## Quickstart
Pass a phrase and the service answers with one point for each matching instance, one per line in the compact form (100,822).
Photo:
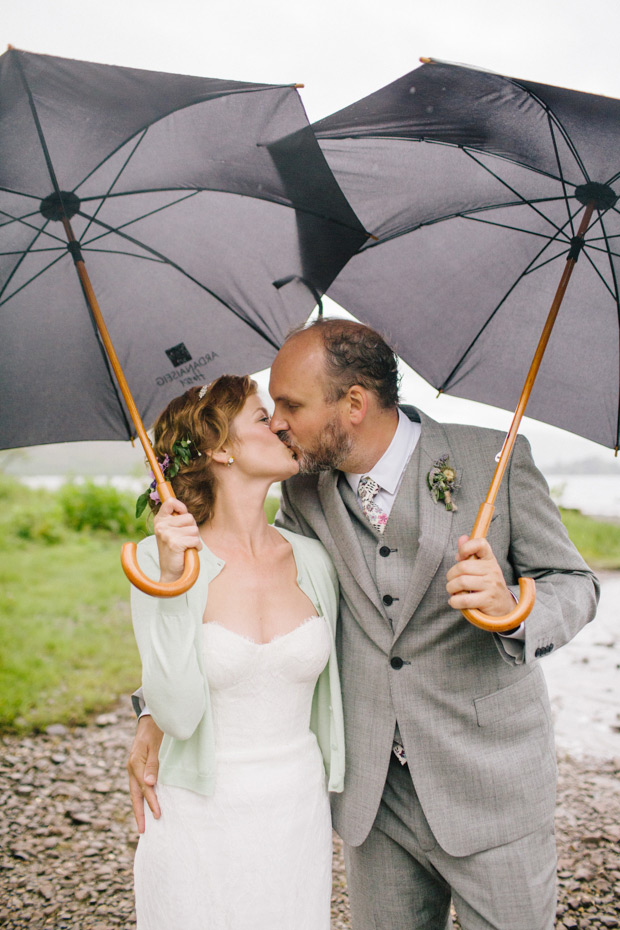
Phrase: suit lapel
(435,522)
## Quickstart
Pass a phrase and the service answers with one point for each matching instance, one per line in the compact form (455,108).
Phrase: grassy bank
(66,643)
(598,541)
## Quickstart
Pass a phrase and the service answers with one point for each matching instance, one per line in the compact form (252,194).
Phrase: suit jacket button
(388,599)
(551,647)
(396,662)
(384,551)
(538,652)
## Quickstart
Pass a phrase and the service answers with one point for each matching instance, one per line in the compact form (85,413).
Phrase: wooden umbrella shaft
(163,487)
(483,519)
(129,556)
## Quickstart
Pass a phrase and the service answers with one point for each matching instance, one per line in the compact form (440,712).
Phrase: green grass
(598,541)
(66,643)
(66,640)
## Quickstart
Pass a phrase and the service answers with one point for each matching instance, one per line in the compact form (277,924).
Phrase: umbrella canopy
(474,185)
(204,242)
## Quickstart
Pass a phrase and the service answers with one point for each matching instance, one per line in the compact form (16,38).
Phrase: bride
(240,673)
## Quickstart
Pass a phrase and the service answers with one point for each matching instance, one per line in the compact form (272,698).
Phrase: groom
(450,783)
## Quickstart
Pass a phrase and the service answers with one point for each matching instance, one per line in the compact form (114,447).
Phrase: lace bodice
(261,693)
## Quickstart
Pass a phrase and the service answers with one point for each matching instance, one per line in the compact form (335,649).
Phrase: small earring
(230,461)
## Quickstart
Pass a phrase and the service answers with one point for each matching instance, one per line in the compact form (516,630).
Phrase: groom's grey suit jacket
(475,723)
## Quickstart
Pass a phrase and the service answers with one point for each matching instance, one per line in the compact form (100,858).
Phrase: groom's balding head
(348,353)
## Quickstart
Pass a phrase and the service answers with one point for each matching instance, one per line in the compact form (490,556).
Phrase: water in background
(595,495)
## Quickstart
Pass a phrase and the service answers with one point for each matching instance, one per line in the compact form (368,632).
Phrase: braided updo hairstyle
(208,422)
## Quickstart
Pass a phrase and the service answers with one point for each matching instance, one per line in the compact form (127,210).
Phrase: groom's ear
(357,398)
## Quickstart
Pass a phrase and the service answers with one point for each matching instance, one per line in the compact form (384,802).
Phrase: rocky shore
(67,834)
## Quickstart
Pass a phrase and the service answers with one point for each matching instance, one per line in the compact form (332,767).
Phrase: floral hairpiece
(182,454)
(442,481)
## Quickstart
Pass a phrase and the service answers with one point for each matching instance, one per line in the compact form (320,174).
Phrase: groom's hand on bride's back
(143,766)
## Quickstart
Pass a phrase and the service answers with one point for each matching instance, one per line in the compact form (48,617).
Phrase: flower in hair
(183,451)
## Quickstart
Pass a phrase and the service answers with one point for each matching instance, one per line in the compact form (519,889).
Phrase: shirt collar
(390,467)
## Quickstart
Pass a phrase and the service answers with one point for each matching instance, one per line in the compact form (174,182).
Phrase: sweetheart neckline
(274,639)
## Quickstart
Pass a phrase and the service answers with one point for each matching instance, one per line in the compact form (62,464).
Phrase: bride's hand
(175,531)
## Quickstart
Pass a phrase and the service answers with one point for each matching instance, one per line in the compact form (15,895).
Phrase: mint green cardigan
(174,682)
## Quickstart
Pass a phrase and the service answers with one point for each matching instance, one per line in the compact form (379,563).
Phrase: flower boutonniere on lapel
(442,480)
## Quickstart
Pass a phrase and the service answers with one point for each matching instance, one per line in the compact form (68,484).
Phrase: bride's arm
(166,632)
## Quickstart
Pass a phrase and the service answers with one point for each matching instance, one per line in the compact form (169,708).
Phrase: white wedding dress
(256,855)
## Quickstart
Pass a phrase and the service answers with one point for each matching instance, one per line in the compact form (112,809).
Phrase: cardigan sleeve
(167,635)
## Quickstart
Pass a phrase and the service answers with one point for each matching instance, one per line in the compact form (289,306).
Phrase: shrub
(98,507)
(28,515)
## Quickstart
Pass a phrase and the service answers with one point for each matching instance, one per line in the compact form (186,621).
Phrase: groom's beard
(332,448)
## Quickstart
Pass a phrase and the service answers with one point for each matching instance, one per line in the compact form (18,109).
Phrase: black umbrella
(204,241)
(483,191)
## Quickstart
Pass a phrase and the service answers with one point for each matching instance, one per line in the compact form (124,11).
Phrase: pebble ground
(67,834)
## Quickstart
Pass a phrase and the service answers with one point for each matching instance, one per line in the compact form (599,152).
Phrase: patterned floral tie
(367,489)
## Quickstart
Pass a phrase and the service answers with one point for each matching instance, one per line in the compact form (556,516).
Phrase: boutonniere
(442,480)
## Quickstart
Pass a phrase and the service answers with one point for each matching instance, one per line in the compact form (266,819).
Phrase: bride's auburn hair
(208,422)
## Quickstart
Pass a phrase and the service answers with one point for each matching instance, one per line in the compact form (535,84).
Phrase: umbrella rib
(459,145)
(446,383)
(32,251)
(18,263)
(467,215)
(594,268)
(142,258)
(23,253)
(39,128)
(561,173)
(30,280)
(38,229)
(529,232)
(524,201)
(604,251)
(613,292)
(190,277)
(558,123)
(201,190)
(135,219)
(162,116)
(547,261)
(107,194)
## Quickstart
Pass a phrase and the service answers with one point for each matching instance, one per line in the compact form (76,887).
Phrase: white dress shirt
(389,470)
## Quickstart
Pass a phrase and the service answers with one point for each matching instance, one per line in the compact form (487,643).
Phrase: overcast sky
(341,50)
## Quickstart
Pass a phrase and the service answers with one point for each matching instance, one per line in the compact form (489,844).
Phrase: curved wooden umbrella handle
(527,586)
(527,598)
(129,559)
(137,577)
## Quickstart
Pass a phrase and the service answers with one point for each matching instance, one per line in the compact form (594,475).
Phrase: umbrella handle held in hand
(141,581)
(522,610)
(527,587)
